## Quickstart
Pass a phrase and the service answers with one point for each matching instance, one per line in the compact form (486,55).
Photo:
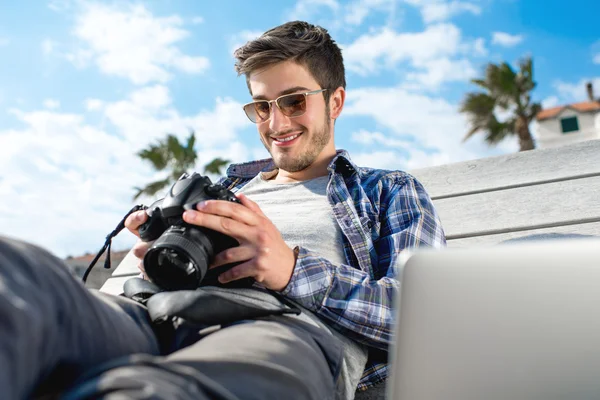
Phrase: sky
(85,85)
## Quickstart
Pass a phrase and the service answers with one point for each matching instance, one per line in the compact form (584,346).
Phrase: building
(99,274)
(569,123)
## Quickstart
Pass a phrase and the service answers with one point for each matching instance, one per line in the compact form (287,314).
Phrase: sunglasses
(290,105)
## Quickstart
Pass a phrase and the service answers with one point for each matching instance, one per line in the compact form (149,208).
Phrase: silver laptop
(518,321)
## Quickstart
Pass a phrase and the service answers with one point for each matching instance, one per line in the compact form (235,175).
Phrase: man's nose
(278,121)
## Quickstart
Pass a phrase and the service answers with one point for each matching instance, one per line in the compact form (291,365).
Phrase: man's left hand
(262,251)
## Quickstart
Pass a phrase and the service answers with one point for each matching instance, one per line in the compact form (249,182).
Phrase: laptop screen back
(518,321)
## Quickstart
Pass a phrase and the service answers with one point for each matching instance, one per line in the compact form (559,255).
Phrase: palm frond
(156,155)
(214,167)
(481,83)
(497,131)
(152,188)
(479,108)
(175,148)
(191,141)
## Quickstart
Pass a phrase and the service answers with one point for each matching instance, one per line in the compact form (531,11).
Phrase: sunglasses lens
(292,105)
(257,111)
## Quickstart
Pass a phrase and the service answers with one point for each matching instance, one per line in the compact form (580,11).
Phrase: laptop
(514,321)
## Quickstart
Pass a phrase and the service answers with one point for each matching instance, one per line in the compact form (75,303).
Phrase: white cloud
(132,43)
(197,20)
(334,14)
(305,9)
(442,70)
(387,47)
(479,48)
(51,104)
(505,39)
(576,92)
(74,181)
(549,102)
(440,10)
(4,41)
(356,12)
(148,113)
(93,104)
(374,138)
(48,46)
(443,11)
(597,59)
(435,126)
(72,199)
(431,52)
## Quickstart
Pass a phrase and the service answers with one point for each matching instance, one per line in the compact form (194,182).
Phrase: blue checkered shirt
(380,213)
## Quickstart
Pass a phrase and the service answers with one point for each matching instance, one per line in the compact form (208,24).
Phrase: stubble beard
(318,142)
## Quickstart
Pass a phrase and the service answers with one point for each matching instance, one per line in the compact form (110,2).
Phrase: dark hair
(306,44)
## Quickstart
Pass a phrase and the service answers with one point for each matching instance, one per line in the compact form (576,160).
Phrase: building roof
(585,106)
(99,274)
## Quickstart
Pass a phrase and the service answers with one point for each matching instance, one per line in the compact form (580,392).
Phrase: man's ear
(336,102)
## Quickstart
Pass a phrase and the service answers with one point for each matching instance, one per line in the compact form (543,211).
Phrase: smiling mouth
(285,140)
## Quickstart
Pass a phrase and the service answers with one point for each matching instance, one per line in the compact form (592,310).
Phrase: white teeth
(287,139)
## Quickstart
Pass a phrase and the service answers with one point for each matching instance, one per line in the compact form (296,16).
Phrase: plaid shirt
(380,213)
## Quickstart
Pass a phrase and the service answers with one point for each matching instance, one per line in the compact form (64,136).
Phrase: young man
(313,225)
(319,230)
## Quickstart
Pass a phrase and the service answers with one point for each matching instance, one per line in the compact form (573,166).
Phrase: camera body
(181,253)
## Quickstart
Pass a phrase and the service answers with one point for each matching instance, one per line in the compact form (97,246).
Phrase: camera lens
(179,259)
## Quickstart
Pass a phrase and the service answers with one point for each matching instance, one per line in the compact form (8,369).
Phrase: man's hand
(132,223)
(262,251)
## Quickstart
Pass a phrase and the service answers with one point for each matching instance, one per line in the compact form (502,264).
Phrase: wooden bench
(492,200)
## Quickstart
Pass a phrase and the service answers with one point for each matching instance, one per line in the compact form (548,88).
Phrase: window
(569,124)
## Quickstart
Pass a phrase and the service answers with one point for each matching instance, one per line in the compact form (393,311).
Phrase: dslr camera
(181,253)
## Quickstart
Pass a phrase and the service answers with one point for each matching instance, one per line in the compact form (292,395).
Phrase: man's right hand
(132,223)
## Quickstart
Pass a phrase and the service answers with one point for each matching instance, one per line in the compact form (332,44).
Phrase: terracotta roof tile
(585,106)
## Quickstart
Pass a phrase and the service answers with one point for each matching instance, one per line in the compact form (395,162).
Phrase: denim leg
(276,358)
(49,320)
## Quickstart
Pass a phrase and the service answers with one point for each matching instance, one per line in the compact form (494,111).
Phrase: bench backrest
(490,200)
(539,192)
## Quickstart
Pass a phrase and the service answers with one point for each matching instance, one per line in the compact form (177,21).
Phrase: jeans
(56,336)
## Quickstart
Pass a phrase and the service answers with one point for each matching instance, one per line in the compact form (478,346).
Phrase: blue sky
(84,85)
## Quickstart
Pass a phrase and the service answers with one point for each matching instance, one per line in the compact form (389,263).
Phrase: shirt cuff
(310,281)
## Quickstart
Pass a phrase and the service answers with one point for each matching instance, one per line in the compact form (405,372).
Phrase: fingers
(134,220)
(234,254)
(231,210)
(140,248)
(249,204)
(141,268)
(227,226)
(244,270)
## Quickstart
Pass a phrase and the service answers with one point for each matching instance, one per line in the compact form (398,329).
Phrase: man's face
(310,133)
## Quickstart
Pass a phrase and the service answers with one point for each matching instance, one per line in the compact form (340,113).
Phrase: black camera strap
(108,243)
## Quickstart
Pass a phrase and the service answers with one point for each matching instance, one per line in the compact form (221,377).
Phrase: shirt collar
(341,163)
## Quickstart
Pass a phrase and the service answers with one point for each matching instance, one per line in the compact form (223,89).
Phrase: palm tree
(508,91)
(170,154)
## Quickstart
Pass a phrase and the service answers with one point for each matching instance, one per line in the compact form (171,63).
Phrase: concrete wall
(549,132)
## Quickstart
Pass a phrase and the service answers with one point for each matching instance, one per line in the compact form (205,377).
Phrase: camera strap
(108,243)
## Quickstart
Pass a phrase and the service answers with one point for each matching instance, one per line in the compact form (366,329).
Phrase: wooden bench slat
(128,266)
(114,285)
(526,208)
(520,169)
(489,240)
